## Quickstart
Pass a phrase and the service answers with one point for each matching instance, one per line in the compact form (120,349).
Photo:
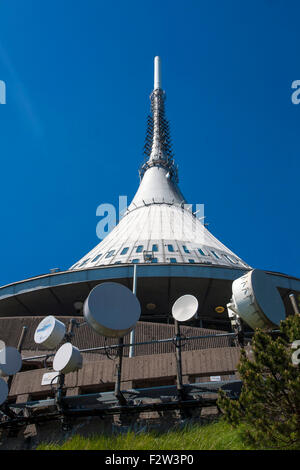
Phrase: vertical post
(21,339)
(61,377)
(118,373)
(132,333)
(294,304)
(59,392)
(178,359)
(70,331)
(236,325)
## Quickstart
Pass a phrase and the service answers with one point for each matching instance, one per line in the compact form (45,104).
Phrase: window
(148,255)
(154,248)
(84,262)
(139,249)
(170,248)
(135,260)
(215,254)
(229,259)
(191,261)
(124,251)
(154,260)
(95,259)
(117,262)
(185,249)
(110,254)
(173,260)
(201,252)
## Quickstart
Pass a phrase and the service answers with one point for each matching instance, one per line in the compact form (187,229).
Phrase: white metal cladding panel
(156,187)
(163,225)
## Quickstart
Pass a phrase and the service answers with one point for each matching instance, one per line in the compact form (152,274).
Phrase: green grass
(215,436)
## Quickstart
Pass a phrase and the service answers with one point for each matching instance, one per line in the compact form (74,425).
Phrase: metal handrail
(115,346)
(155,341)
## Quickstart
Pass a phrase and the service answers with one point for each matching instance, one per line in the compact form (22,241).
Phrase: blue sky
(78,77)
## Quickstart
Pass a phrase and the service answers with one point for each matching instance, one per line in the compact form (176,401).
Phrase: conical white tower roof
(159,226)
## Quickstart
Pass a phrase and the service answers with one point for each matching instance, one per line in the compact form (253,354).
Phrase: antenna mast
(157,72)
(158,146)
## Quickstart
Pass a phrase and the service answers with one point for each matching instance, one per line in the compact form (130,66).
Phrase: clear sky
(78,77)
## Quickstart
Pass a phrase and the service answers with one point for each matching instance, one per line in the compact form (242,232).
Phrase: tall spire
(158,147)
(157,72)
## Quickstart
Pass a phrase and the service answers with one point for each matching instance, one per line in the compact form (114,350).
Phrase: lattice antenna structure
(158,146)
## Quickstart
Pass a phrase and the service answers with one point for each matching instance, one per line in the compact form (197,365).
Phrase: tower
(159,225)
(175,254)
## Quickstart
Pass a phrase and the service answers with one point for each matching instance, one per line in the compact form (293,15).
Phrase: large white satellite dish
(112,309)
(257,300)
(12,363)
(67,359)
(185,308)
(50,332)
(3,391)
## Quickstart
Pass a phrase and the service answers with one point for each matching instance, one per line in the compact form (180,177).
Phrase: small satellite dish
(112,309)
(185,308)
(50,332)
(67,359)
(257,300)
(3,391)
(12,363)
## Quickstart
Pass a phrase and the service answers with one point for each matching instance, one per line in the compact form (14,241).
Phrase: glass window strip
(96,257)
(215,254)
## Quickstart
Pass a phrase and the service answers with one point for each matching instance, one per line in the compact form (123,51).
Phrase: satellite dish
(257,300)
(185,308)
(67,359)
(112,309)
(12,362)
(50,332)
(3,391)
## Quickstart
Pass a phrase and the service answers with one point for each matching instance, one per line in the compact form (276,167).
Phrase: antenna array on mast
(158,146)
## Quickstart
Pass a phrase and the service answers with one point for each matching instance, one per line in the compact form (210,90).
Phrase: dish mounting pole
(132,333)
